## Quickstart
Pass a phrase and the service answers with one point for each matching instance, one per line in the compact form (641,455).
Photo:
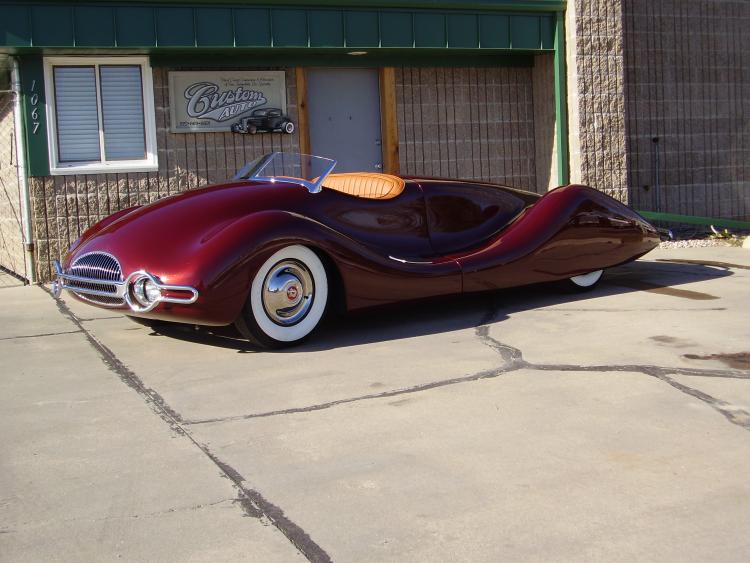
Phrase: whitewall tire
(586,281)
(287,298)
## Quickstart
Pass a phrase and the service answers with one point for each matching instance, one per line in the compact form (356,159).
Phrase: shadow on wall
(468,311)
(545,142)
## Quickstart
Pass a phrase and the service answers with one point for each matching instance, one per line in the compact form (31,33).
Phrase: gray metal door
(344,116)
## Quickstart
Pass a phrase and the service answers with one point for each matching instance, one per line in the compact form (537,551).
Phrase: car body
(264,120)
(207,255)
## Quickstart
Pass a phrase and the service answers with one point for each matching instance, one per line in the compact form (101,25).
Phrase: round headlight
(152,291)
(146,291)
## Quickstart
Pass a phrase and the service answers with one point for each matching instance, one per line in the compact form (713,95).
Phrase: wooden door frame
(388,117)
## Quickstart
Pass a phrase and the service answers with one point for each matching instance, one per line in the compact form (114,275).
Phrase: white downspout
(26,219)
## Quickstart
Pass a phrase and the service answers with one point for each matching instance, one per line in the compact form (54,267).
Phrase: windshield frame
(253,170)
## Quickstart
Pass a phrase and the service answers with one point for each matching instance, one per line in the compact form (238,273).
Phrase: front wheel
(287,298)
(289,127)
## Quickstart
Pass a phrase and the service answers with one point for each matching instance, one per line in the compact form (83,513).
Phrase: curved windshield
(303,169)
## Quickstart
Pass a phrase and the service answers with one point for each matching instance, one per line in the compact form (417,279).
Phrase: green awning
(483,26)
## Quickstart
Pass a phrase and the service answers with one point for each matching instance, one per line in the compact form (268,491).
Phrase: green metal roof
(358,24)
(491,5)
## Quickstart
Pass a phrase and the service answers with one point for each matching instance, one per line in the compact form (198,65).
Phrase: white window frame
(149,164)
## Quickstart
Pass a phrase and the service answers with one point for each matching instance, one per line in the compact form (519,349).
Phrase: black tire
(287,299)
(288,127)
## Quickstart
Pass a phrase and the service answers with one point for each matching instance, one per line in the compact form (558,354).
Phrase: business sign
(214,100)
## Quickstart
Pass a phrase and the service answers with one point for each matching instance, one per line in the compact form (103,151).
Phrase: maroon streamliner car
(271,249)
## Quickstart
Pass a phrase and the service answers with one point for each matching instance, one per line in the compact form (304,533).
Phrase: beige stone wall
(596,108)
(687,70)
(65,206)
(670,70)
(11,232)
(469,123)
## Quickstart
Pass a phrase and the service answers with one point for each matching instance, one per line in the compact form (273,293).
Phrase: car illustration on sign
(271,250)
(264,120)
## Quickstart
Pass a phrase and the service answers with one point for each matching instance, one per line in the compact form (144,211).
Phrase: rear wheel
(289,127)
(287,298)
(584,282)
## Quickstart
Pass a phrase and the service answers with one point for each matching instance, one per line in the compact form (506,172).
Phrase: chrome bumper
(85,286)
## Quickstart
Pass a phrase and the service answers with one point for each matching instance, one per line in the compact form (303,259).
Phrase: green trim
(490,5)
(694,220)
(561,102)
(33,106)
(205,26)
(308,57)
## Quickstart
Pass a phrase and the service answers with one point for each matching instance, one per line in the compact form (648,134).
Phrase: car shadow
(465,311)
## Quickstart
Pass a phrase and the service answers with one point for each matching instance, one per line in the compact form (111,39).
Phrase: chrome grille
(97,268)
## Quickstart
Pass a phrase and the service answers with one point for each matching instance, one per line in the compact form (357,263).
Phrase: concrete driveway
(524,425)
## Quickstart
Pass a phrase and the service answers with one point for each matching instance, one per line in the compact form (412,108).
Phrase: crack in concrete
(513,361)
(487,374)
(155,514)
(513,358)
(255,505)
(39,335)
(127,376)
(172,510)
(251,501)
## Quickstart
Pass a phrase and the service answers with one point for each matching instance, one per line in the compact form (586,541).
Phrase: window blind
(77,114)
(122,112)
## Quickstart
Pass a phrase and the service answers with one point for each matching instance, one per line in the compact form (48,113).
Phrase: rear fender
(571,230)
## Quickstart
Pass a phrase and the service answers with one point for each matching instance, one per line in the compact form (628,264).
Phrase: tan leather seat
(367,185)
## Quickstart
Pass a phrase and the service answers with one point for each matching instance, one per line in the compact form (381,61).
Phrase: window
(100,115)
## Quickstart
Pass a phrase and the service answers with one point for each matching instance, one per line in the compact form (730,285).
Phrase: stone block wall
(65,206)
(596,95)
(687,75)
(469,123)
(11,231)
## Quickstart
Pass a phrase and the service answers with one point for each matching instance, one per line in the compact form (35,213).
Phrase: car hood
(171,234)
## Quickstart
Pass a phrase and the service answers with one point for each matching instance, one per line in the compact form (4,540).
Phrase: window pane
(122,112)
(76,112)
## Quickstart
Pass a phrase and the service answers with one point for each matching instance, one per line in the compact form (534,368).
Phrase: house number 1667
(34,101)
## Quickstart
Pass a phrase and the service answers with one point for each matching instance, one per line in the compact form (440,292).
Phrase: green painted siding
(210,26)
(95,26)
(34,115)
(182,58)
(495,31)
(252,27)
(135,26)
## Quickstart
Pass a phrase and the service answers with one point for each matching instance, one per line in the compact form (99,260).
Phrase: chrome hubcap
(288,292)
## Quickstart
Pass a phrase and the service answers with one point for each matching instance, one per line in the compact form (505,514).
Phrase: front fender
(230,258)
(101,225)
